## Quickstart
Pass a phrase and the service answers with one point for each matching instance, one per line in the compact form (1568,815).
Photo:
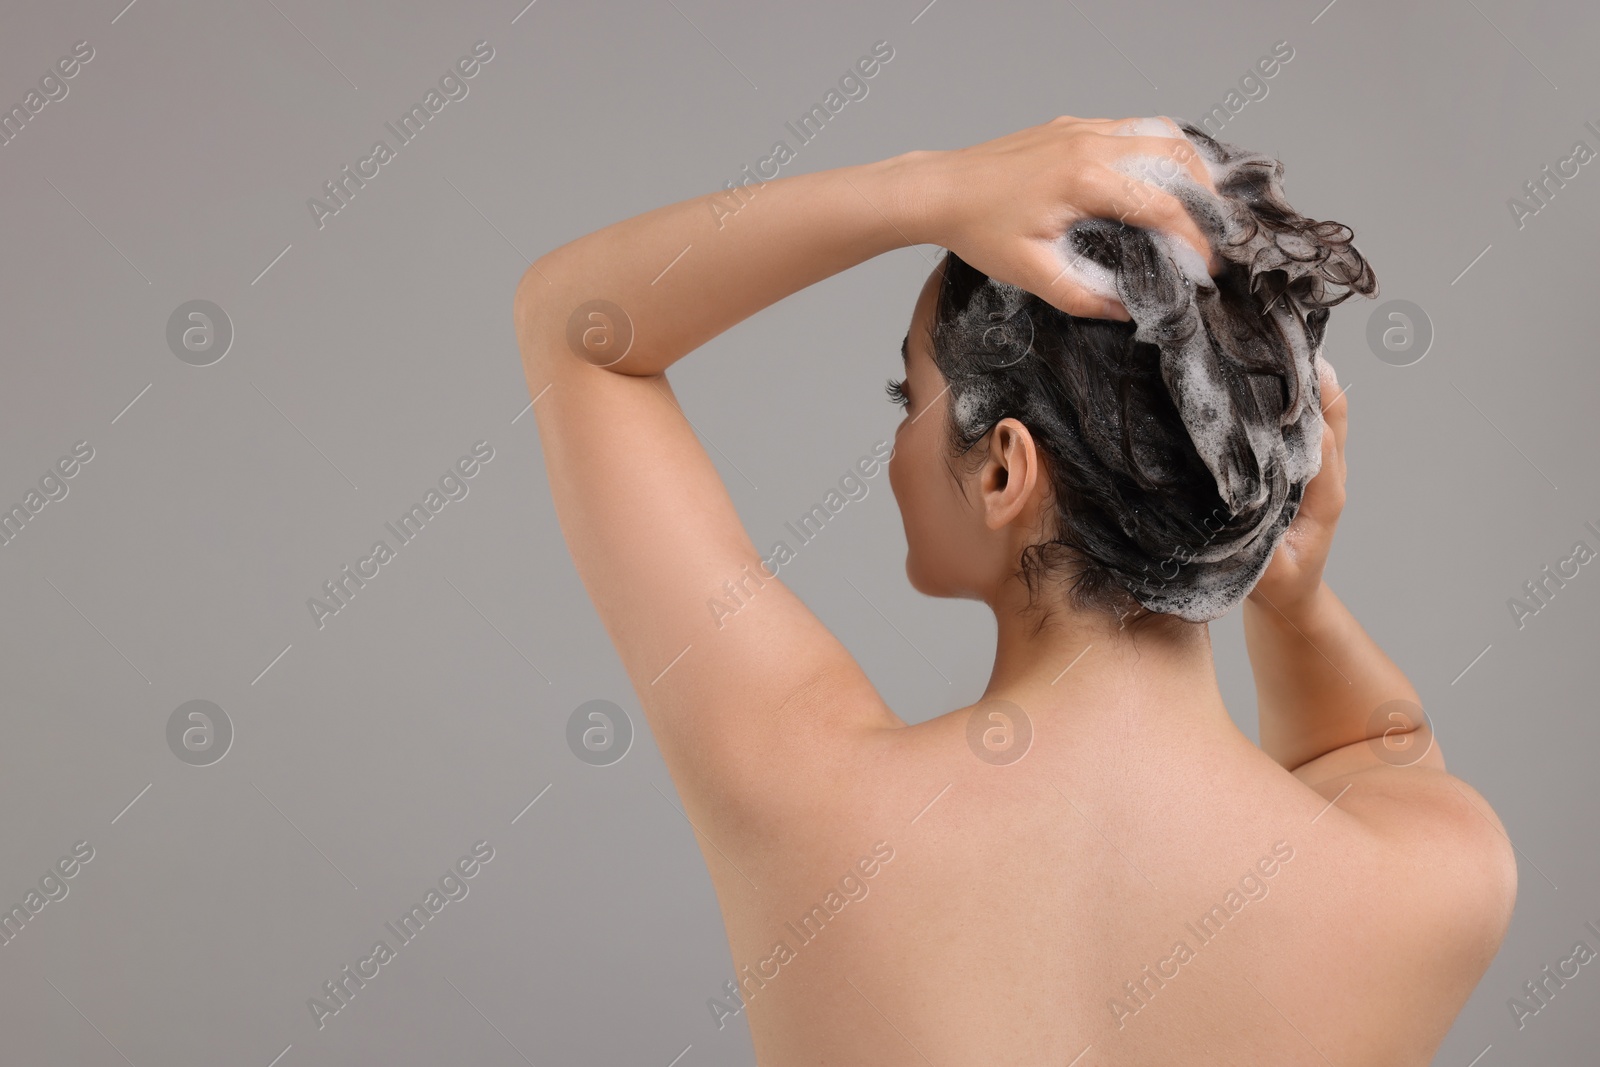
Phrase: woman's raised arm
(1323,684)
(735,675)
(685,272)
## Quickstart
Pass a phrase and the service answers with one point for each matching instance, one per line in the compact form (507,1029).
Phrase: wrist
(913,195)
(1300,611)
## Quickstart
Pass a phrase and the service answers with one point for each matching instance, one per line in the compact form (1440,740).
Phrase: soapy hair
(1177,446)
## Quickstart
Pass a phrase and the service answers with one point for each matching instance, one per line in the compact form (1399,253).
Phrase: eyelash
(897,393)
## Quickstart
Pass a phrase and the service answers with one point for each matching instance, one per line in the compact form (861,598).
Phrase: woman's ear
(1009,474)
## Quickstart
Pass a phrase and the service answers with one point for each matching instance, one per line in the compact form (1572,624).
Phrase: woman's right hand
(1004,205)
(1294,575)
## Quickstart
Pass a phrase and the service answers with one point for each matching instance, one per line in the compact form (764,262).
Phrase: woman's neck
(1093,660)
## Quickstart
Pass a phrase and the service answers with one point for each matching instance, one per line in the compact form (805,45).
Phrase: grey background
(427,714)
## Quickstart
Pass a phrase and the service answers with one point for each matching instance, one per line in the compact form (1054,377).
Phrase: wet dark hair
(1177,446)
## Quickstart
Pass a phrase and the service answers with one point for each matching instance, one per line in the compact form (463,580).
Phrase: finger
(1052,281)
(1149,126)
(1152,169)
(1323,499)
(1335,407)
(1141,204)
(1176,158)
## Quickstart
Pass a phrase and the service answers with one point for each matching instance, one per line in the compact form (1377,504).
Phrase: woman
(1091,865)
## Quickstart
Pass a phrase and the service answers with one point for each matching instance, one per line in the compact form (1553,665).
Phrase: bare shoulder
(1449,866)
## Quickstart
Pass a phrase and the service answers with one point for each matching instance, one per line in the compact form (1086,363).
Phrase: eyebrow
(904,357)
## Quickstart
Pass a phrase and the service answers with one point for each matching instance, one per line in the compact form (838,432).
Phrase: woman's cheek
(894,464)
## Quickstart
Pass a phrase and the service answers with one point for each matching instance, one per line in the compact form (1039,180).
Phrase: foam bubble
(1162,126)
(1187,257)
(1094,277)
(1154,126)
(970,407)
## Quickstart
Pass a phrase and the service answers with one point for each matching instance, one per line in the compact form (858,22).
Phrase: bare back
(1116,896)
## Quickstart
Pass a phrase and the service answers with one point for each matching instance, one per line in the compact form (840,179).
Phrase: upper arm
(658,544)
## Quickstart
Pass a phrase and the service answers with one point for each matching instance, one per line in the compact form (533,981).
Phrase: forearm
(1320,679)
(685,272)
